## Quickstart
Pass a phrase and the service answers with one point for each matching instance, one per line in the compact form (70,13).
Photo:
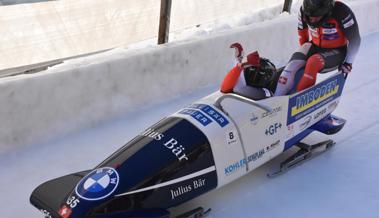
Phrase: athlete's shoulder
(341,8)
(343,14)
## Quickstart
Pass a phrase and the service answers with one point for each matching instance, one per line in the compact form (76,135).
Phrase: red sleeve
(230,80)
(303,36)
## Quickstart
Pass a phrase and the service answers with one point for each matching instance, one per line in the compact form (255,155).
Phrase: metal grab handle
(241,98)
(247,101)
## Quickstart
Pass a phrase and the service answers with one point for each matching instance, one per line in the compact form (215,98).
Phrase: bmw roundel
(98,184)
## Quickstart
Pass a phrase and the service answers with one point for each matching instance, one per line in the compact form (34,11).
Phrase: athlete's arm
(230,79)
(302,28)
(349,25)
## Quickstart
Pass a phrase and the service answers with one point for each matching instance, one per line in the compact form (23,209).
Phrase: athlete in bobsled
(329,39)
(255,78)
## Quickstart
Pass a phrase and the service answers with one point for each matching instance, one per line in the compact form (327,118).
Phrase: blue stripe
(215,115)
(197,115)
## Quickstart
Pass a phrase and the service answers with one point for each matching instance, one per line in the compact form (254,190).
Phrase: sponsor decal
(272,113)
(319,114)
(211,181)
(273,129)
(98,184)
(65,212)
(46,213)
(254,119)
(333,36)
(231,137)
(333,105)
(329,31)
(211,112)
(349,23)
(304,103)
(251,158)
(171,144)
(306,122)
(181,190)
(197,115)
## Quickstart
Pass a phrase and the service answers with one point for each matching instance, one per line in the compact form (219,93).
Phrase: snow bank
(45,31)
(85,92)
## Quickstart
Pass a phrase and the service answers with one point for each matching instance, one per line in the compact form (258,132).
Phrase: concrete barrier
(85,92)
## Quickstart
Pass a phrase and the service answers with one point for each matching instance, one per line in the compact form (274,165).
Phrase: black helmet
(260,76)
(317,8)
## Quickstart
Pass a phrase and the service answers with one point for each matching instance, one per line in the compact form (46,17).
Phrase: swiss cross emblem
(65,212)
(283,80)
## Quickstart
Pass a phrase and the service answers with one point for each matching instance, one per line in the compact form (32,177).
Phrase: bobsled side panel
(310,106)
(166,165)
(304,103)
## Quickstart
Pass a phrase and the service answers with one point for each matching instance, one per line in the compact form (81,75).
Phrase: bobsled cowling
(203,146)
(164,166)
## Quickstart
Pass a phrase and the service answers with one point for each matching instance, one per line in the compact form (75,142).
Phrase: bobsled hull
(201,147)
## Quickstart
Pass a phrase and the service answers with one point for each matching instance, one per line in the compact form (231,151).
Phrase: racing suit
(235,82)
(335,42)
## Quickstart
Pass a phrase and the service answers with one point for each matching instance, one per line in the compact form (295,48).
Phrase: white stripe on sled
(190,176)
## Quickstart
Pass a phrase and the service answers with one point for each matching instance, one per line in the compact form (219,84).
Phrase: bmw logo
(98,184)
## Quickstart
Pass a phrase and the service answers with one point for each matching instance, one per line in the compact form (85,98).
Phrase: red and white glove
(238,51)
(345,68)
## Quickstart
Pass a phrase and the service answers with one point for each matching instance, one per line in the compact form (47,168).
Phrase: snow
(340,183)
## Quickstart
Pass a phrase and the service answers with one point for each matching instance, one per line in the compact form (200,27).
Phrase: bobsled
(201,147)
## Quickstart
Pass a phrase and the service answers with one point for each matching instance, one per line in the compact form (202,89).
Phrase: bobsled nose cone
(50,195)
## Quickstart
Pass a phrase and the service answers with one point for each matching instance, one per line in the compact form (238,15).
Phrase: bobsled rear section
(310,110)
(164,166)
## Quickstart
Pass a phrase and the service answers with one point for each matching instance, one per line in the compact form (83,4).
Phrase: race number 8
(231,135)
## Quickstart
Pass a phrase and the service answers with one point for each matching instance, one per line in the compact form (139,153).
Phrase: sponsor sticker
(231,137)
(171,144)
(329,30)
(254,119)
(319,114)
(331,36)
(314,98)
(98,184)
(197,115)
(232,168)
(181,190)
(273,129)
(272,113)
(211,112)
(305,123)
(349,23)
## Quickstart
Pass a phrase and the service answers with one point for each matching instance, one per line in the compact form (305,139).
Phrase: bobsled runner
(201,147)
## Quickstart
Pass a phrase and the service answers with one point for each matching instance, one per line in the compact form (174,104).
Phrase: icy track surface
(340,183)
